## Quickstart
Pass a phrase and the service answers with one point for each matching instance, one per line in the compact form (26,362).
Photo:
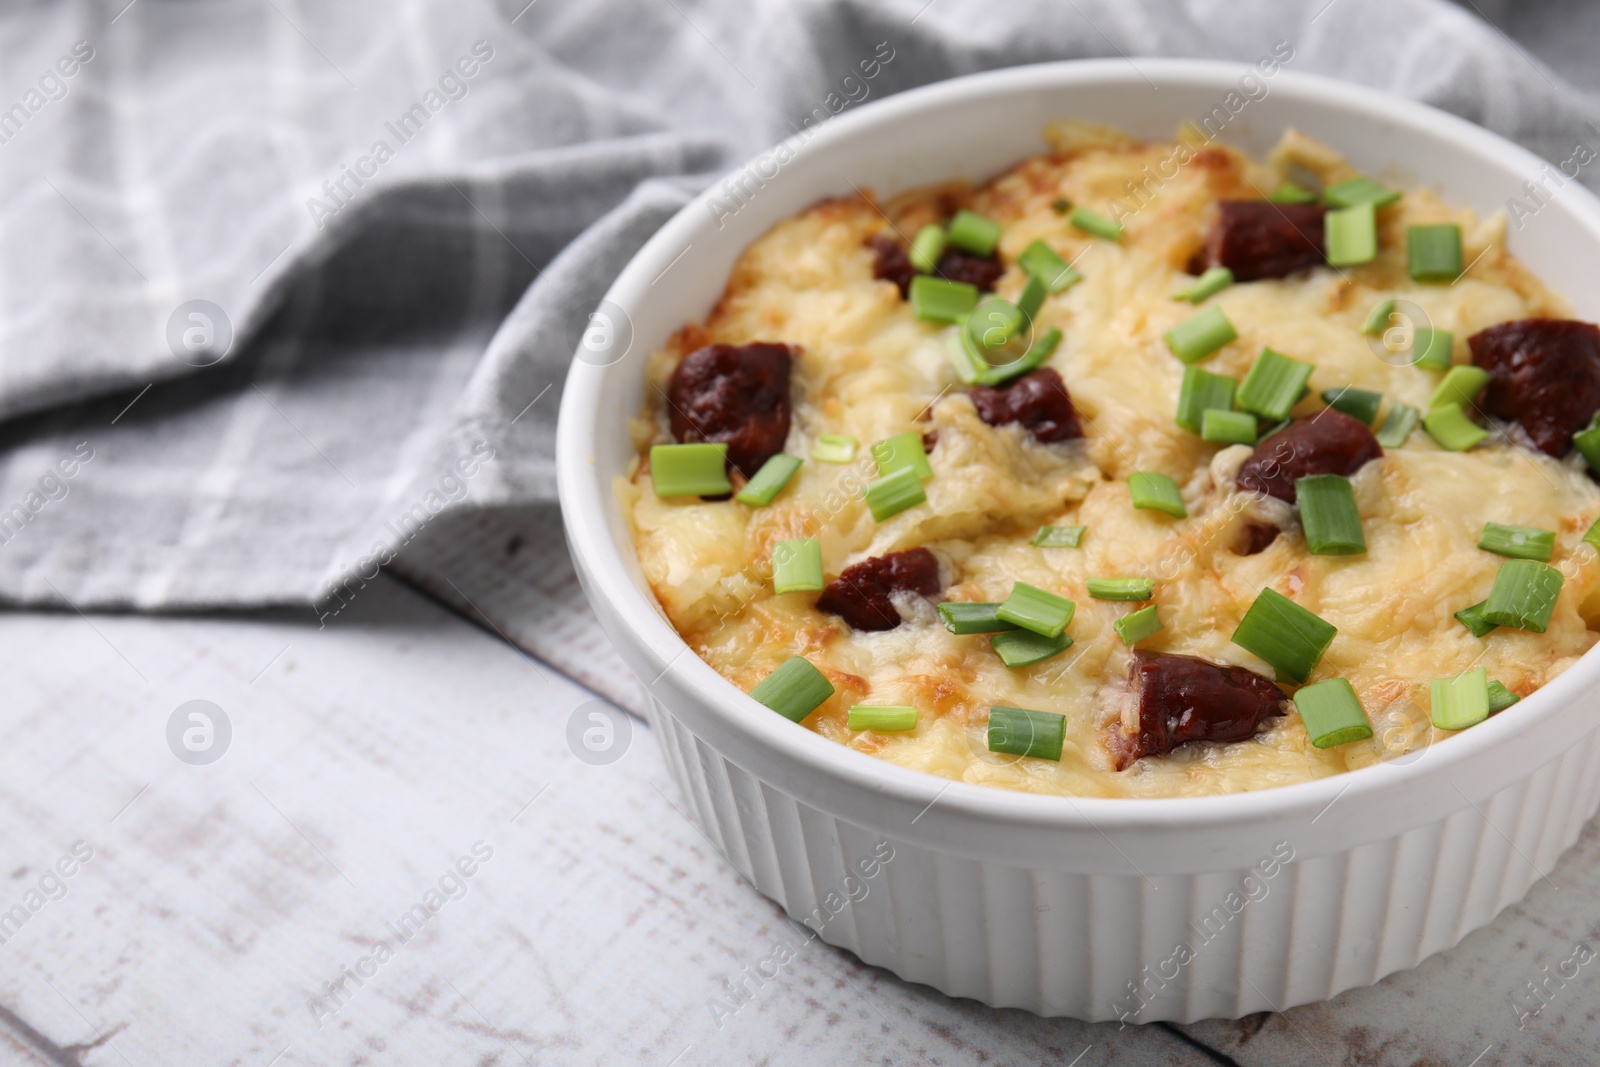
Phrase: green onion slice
(1059,536)
(1021,732)
(1228,427)
(1121,588)
(1331,713)
(1200,334)
(886,718)
(769,480)
(1041,261)
(1292,193)
(1031,299)
(834,448)
(1461,701)
(1023,648)
(926,248)
(941,300)
(972,618)
(1361,404)
(991,324)
(1274,385)
(1035,609)
(1398,426)
(1200,392)
(1099,225)
(902,450)
(1156,492)
(794,690)
(1351,235)
(894,493)
(1450,427)
(1138,625)
(690,470)
(1500,698)
(797,566)
(1433,253)
(1328,513)
(1524,595)
(1360,190)
(1518,542)
(1378,319)
(1588,444)
(1210,283)
(1431,348)
(1284,634)
(974,233)
(1472,618)
(1592,535)
(1460,385)
(1043,347)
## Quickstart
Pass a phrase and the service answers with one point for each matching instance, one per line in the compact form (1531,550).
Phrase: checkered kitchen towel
(282,282)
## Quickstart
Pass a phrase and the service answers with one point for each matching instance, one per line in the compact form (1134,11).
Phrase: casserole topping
(1092,481)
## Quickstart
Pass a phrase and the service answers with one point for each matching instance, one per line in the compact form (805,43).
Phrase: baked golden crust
(867,368)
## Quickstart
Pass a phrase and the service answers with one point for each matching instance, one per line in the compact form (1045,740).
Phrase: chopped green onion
(1378,320)
(1121,588)
(1592,535)
(1201,334)
(1156,492)
(1461,701)
(1035,609)
(1284,634)
(968,362)
(1210,283)
(1450,427)
(1099,225)
(1061,205)
(1292,193)
(1063,536)
(1021,732)
(886,718)
(972,618)
(1518,542)
(1460,385)
(927,247)
(769,480)
(690,470)
(1138,625)
(941,300)
(1274,385)
(902,450)
(1200,392)
(1431,348)
(1351,235)
(1022,648)
(973,366)
(1524,595)
(1228,427)
(1328,513)
(1472,618)
(794,690)
(1588,445)
(1331,713)
(974,233)
(1041,261)
(1433,253)
(1360,190)
(834,448)
(1361,404)
(1031,299)
(991,324)
(894,493)
(1500,698)
(797,566)
(1398,426)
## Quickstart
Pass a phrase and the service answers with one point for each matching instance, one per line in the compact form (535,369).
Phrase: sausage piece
(1330,442)
(891,262)
(1184,699)
(1038,400)
(1543,373)
(733,393)
(861,594)
(1260,239)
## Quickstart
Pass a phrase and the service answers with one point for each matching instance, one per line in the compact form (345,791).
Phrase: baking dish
(1141,910)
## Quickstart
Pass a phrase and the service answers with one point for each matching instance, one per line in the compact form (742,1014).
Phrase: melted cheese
(867,368)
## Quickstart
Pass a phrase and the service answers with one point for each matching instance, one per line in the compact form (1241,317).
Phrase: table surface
(403,777)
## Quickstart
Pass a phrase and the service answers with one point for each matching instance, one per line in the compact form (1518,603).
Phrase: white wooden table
(223,901)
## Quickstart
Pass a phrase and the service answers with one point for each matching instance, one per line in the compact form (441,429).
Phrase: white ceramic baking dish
(1094,908)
